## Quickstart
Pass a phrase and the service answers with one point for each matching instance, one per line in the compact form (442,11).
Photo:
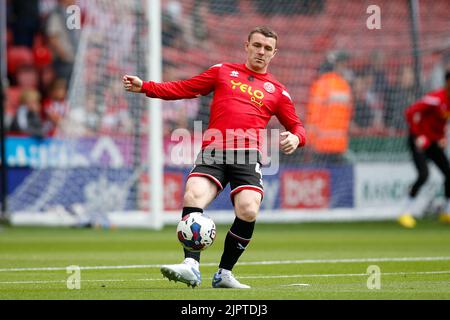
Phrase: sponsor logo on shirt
(256,96)
(234,74)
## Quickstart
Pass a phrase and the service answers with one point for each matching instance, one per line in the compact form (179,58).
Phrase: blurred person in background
(377,92)
(55,105)
(427,124)
(47,77)
(24,20)
(398,98)
(199,32)
(437,74)
(329,111)
(363,116)
(27,120)
(62,40)
(27,77)
(172,25)
(46,7)
(378,70)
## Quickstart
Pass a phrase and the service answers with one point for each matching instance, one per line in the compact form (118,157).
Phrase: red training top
(243,103)
(429,115)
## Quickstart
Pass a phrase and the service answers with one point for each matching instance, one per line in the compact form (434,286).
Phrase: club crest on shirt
(269,87)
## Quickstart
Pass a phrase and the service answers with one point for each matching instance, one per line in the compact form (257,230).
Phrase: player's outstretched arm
(132,83)
(201,84)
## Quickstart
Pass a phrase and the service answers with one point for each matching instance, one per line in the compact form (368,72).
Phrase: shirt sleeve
(202,84)
(289,119)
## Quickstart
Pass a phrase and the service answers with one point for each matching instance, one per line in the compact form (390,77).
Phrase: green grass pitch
(286,262)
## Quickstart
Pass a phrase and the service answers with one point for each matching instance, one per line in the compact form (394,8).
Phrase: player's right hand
(132,83)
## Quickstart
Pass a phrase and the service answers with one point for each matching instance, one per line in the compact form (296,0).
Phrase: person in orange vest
(329,111)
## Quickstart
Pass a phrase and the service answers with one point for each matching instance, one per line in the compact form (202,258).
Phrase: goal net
(349,67)
(97,162)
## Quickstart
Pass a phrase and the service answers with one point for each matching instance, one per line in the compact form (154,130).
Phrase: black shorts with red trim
(240,168)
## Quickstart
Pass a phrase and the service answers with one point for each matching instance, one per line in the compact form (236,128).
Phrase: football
(196,231)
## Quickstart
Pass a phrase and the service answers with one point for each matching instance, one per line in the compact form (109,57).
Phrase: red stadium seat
(18,56)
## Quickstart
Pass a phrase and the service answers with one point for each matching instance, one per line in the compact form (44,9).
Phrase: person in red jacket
(246,96)
(427,122)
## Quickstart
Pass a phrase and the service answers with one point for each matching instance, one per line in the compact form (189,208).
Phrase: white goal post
(156,164)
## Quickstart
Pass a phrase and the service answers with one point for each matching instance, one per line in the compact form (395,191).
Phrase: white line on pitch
(250,263)
(243,277)
(344,275)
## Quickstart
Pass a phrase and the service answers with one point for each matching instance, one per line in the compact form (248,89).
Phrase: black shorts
(240,168)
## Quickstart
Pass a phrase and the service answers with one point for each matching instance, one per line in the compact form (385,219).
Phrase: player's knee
(247,209)
(192,196)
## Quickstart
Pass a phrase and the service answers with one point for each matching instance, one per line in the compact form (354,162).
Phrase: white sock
(192,262)
(224,271)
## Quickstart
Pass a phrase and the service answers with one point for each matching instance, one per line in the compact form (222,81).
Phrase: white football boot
(225,279)
(186,272)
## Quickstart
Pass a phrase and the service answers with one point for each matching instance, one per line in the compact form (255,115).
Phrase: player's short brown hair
(265,31)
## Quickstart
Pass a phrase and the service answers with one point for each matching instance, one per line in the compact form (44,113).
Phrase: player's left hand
(289,142)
